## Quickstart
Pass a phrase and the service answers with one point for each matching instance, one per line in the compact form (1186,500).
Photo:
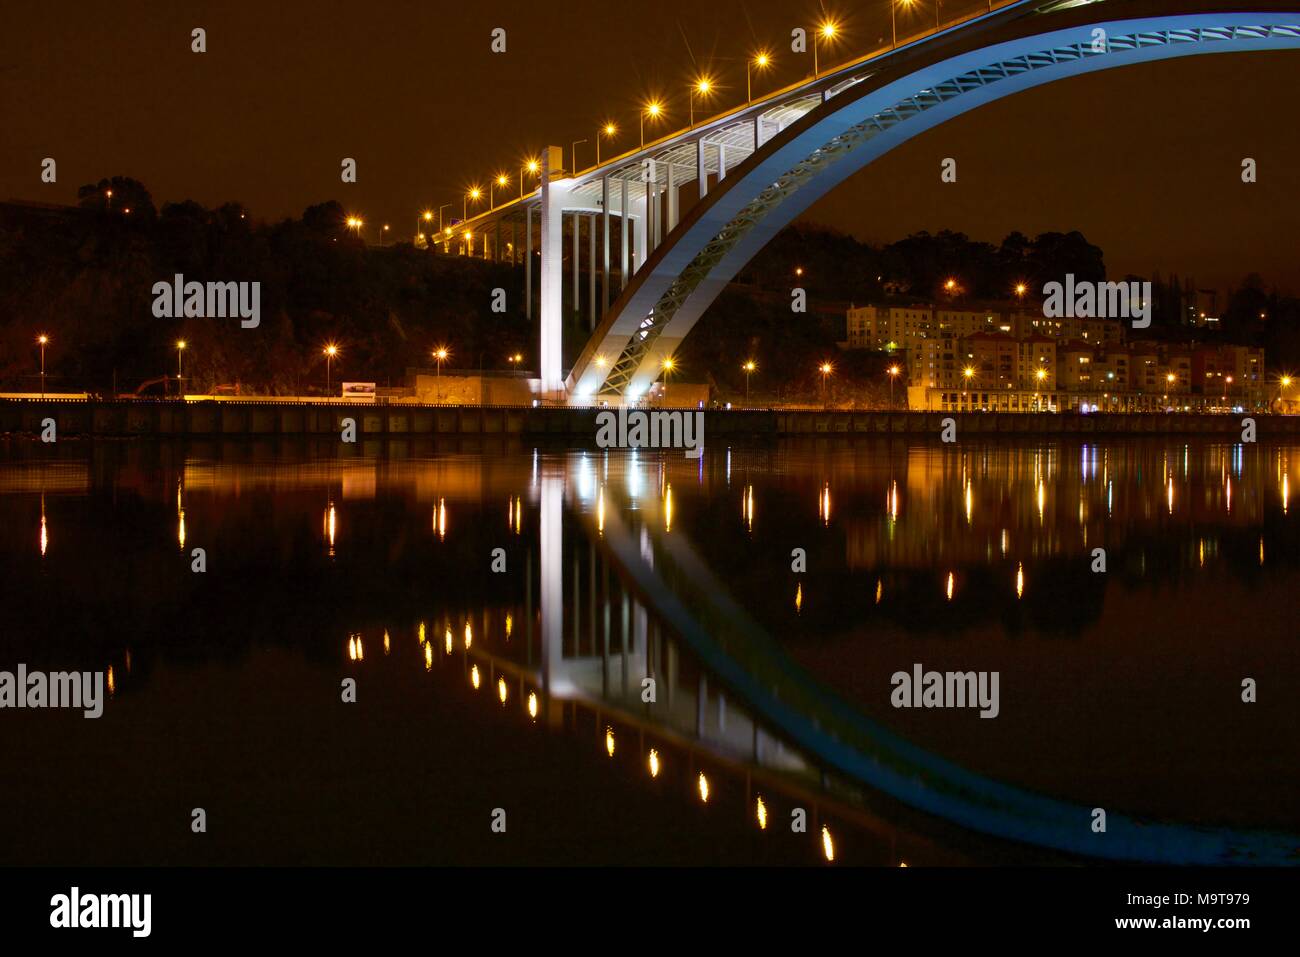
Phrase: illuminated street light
(1020,290)
(968,374)
(761,60)
(180,348)
(608,131)
(654,109)
(749,368)
(669,365)
(531,166)
(501,180)
(440,354)
(893,27)
(825,369)
(42,340)
(893,374)
(827,31)
(700,88)
(331,350)
(473,194)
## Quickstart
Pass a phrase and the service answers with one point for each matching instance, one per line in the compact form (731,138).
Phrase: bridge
(654,265)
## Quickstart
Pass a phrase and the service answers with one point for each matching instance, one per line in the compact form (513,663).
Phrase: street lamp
(355,224)
(968,374)
(474,193)
(827,31)
(180,348)
(893,27)
(516,359)
(502,180)
(440,209)
(573,154)
(42,340)
(701,88)
(1020,290)
(654,109)
(608,131)
(893,374)
(331,350)
(761,60)
(668,368)
(825,369)
(1285,382)
(440,354)
(531,166)
(749,367)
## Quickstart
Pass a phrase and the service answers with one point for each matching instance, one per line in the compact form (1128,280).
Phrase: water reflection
(979,524)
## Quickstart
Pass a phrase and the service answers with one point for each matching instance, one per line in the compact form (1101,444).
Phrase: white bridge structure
(655,265)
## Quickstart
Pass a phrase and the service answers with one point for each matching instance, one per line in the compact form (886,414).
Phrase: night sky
(1145,160)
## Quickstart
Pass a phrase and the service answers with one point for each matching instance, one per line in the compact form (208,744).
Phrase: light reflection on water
(915,552)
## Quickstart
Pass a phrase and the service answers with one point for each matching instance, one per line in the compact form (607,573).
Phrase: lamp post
(42,340)
(180,350)
(331,350)
(701,88)
(475,194)
(749,368)
(760,60)
(827,30)
(893,374)
(825,369)
(653,109)
(440,354)
(532,166)
(608,131)
(668,368)
(501,180)
(893,25)
(573,155)
(440,209)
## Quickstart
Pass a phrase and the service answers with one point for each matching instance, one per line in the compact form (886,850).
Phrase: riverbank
(263,418)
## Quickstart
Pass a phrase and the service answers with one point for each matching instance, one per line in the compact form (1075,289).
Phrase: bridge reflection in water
(641,610)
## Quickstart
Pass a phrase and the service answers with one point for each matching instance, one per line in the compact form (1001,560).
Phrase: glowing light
(761,61)
(440,519)
(798,598)
(447,641)
(950,584)
(747,507)
(668,508)
(653,108)
(600,511)
(609,741)
(654,763)
(1020,579)
(428,657)
(502,691)
(824,504)
(610,129)
(510,624)
(532,705)
(421,634)
(112,685)
(180,529)
(828,844)
(469,636)
(761,811)
(702,783)
(474,677)
(829,29)
(880,590)
(387,643)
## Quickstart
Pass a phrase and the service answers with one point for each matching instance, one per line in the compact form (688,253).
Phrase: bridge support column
(528,264)
(642,236)
(554,195)
(701,168)
(604,232)
(722,161)
(622,235)
(577,230)
(591,270)
(672,199)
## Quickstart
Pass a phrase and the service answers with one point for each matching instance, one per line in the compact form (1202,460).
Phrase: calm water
(480,689)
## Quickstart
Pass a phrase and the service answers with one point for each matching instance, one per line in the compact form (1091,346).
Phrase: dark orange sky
(1145,160)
